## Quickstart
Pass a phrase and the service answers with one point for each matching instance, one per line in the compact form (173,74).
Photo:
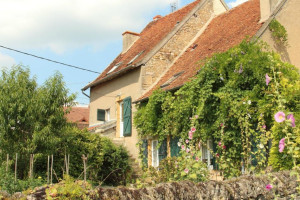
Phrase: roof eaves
(171,34)
(110,76)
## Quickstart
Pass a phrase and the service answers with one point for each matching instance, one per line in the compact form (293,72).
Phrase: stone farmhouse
(166,55)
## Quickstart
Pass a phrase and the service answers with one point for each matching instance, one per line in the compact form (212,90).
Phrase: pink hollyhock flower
(187,150)
(268,79)
(221,124)
(186,170)
(182,147)
(279,116)
(193,129)
(281,145)
(218,155)
(269,187)
(291,117)
(264,126)
(190,135)
(187,141)
(223,147)
(220,143)
(197,158)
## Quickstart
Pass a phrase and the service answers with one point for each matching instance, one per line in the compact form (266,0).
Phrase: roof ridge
(164,40)
(182,8)
(186,12)
(210,44)
(181,53)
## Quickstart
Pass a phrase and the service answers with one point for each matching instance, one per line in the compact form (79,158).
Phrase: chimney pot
(157,17)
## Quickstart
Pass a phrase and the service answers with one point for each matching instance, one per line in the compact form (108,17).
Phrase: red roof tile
(78,114)
(153,33)
(224,32)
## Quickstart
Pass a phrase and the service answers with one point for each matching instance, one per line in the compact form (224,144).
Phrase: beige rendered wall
(109,95)
(289,17)
(219,7)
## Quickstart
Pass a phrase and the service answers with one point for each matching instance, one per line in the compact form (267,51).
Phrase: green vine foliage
(278,32)
(233,104)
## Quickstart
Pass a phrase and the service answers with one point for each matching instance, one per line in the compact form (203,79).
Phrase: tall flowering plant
(188,164)
(285,132)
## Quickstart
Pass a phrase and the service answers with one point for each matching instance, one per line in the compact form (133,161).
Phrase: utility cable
(28,54)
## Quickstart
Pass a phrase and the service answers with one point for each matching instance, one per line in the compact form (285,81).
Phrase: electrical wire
(39,57)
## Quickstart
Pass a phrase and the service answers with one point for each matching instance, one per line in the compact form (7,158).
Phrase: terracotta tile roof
(152,34)
(224,32)
(78,115)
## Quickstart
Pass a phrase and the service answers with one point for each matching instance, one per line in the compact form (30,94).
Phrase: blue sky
(86,34)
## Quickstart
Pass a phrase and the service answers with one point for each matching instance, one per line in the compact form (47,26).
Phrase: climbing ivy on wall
(233,105)
(278,31)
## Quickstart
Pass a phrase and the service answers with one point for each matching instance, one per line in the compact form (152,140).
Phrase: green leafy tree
(33,121)
(31,117)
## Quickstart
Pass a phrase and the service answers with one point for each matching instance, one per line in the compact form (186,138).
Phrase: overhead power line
(39,57)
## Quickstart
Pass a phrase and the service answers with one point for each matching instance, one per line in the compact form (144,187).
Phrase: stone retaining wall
(245,187)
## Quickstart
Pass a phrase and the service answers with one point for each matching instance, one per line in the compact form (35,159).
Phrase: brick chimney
(128,39)
(267,7)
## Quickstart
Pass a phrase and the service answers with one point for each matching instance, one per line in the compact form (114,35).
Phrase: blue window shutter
(100,115)
(145,152)
(127,116)
(162,151)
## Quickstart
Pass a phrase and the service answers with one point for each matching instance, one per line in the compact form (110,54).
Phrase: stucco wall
(288,17)
(108,96)
(218,7)
(164,58)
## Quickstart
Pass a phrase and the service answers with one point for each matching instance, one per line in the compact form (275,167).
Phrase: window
(144,149)
(107,114)
(155,161)
(206,154)
(100,115)
(162,151)
(103,115)
(135,57)
(175,149)
(174,77)
(114,67)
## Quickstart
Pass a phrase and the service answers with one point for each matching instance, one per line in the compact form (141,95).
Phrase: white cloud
(6,61)
(64,25)
(235,3)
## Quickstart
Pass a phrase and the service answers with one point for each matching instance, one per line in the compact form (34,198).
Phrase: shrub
(68,189)
(8,183)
